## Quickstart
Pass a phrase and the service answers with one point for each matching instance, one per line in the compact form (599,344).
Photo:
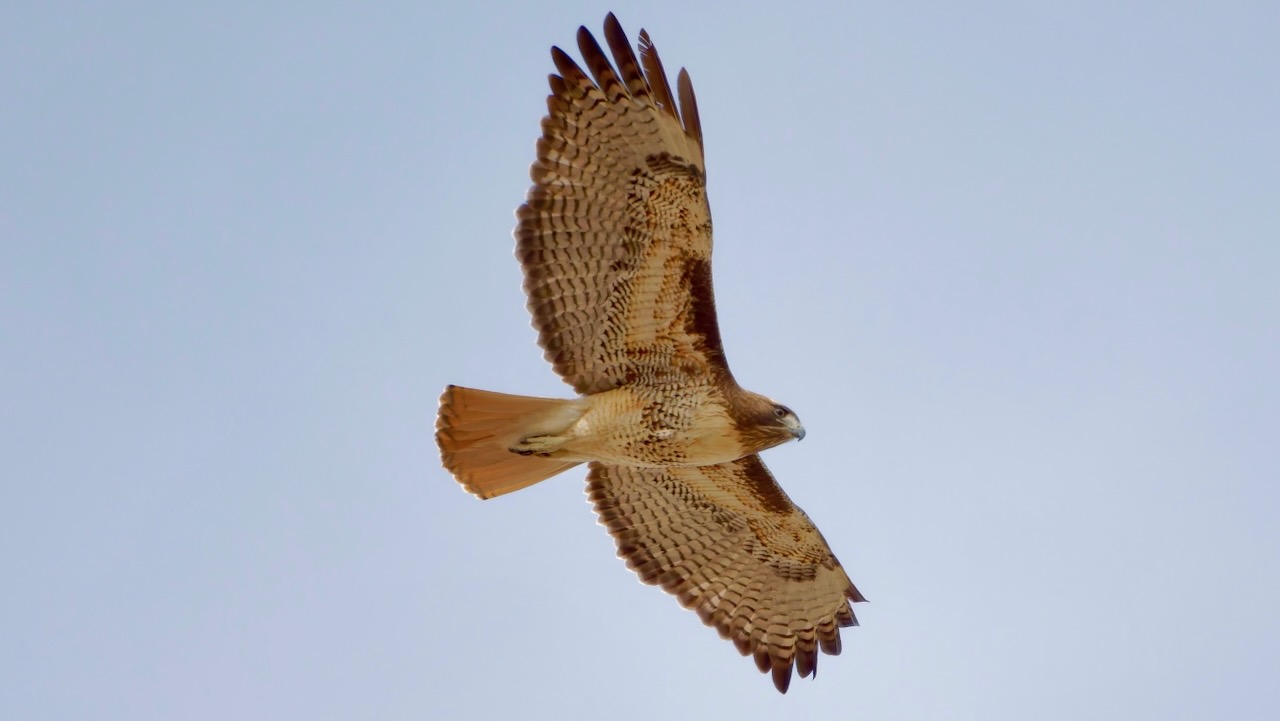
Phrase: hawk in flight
(615,243)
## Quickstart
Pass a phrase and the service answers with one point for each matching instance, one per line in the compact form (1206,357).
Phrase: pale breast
(655,427)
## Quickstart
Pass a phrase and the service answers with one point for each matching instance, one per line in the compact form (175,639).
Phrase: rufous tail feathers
(476,429)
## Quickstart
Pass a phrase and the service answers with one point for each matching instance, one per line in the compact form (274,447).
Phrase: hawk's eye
(779,411)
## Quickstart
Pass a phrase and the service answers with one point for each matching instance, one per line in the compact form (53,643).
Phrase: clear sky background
(1016,266)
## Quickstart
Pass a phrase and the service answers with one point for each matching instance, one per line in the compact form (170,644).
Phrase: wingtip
(782,677)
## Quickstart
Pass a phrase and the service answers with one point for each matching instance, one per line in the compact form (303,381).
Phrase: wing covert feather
(615,234)
(730,545)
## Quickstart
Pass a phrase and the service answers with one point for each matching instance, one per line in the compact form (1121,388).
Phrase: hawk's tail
(477,428)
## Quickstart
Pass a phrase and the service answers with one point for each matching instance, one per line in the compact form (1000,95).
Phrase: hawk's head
(763,423)
(788,420)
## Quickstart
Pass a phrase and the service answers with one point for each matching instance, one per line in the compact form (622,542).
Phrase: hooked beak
(793,425)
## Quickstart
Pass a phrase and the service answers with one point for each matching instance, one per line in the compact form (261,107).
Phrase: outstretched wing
(730,545)
(615,236)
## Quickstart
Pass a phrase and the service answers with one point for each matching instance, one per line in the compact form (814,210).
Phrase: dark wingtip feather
(782,676)
(761,657)
(807,660)
(853,594)
(625,58)
(657,76)
(565,65)
(593,55)
(689,107)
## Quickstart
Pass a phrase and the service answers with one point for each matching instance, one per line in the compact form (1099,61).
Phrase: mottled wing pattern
(730,545)
(615,236)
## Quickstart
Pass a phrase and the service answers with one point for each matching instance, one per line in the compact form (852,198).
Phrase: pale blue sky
(1017,267)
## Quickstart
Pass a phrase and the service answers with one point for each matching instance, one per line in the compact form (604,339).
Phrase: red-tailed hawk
(615,242)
